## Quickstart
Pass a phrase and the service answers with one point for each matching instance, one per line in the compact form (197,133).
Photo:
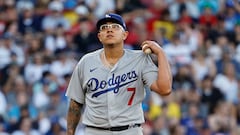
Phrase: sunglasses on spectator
(113,26)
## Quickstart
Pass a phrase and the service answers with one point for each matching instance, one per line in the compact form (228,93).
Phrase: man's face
(112,33)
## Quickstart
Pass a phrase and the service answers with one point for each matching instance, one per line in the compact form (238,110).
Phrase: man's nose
(109,30)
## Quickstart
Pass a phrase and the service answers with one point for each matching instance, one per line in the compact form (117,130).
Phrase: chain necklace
(106,63)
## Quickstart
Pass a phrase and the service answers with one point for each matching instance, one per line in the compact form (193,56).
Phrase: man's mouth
(110,36)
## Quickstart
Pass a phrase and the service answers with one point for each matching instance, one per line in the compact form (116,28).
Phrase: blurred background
(41,42)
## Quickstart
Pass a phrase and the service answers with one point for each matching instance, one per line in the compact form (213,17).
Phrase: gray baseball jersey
(112,97)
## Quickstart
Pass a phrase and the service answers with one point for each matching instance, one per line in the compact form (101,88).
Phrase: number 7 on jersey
(133,90)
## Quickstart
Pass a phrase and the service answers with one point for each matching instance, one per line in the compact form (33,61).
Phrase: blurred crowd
(41,42)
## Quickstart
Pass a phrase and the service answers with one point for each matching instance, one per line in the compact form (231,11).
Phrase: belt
(118,128)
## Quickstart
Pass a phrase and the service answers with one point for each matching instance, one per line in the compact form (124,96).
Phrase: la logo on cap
(108,16)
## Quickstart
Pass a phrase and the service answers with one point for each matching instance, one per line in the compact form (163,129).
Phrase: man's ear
(125,35)
(99,36)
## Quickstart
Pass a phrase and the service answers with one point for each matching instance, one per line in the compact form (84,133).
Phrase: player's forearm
(73,116)
(164,80)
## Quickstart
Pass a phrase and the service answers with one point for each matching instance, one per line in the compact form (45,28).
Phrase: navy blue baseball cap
(111,17)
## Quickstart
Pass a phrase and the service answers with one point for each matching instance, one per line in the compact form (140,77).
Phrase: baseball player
(109,83)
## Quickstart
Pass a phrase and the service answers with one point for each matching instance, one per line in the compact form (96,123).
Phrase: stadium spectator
(85,37)
(177,52)
(55,17)
(228,83)
(210,95)
(34,69)
(202,65)
(25,127)
(28,20)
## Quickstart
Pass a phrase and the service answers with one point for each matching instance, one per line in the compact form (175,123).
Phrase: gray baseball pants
(130,131)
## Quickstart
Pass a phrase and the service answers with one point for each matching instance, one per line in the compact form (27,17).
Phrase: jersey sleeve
(150,71)
(75,89)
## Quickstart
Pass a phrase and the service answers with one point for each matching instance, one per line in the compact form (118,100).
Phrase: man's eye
(115,26)
(104,27)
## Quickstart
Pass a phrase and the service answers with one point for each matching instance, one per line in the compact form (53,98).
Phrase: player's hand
(149,46)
